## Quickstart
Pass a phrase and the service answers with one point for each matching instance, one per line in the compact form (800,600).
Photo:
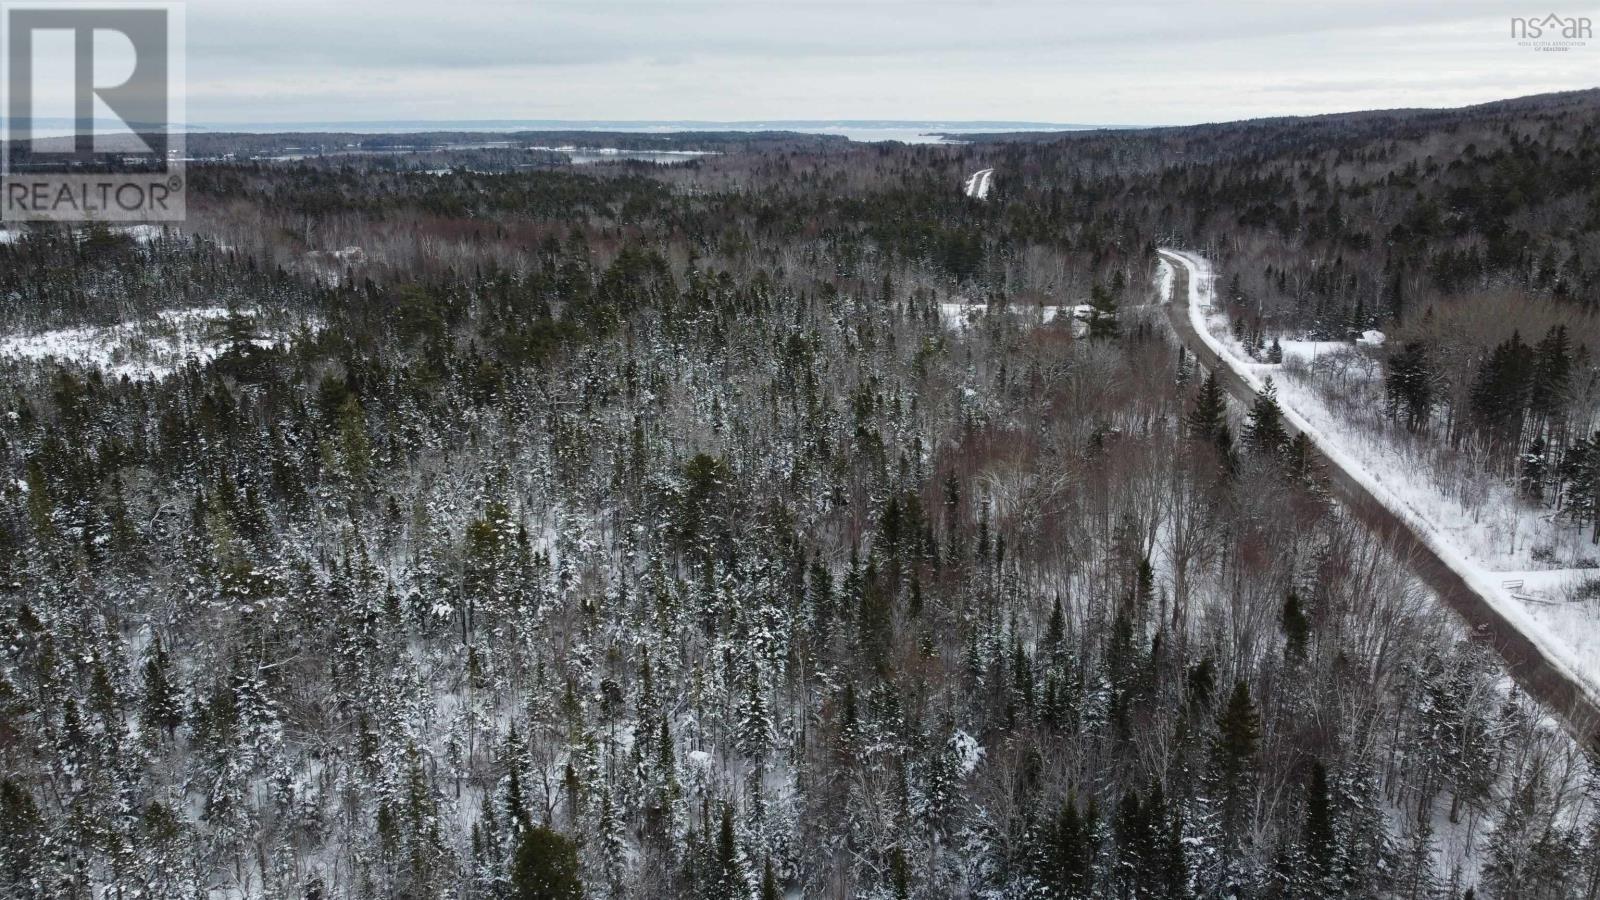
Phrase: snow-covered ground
(1477,511)
(1565,603)
(331,266)
(149,349)
(959,316)
(1164,276)
(977,186)
(143,234)
(1476,525)
(1311,351)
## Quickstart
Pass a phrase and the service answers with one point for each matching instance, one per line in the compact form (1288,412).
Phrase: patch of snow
(144,234)
(329,265)
(1164,276)
(1311,351)
(957,316)
(146,350)
(965,750)
(1566,603)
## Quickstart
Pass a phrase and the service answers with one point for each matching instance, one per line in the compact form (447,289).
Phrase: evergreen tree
(22,846)
(755,722)
(1139,833)
(1534,471)
(1580,472)
(769,882)
(1300,463)
(1394,294)
(1264,434)
(546,867)
(1296,628)
(516,806)
(161,706)
(899,874)
(1208,418)
(1074,848)
(1551,380)
(1103,323)
(1500,393)
(1233,771)
(1175,876)
(1319,839)
(1408,382)
(728,881)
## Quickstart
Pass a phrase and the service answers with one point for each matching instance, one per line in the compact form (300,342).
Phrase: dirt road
(1526,661)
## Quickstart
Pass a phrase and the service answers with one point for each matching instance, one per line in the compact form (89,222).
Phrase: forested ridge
(649,531)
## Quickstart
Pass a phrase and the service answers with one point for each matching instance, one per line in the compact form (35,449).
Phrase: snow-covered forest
(518,531)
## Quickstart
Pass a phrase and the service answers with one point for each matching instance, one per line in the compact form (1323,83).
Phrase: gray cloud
(1159,61)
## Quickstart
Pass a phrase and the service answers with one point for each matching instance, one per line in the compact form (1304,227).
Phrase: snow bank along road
(1494,617)
(978,184)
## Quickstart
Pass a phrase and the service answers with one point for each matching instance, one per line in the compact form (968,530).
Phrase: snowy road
(1536,663)
(978,184)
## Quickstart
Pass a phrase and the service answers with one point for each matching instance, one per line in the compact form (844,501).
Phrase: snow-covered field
(143,234)
(148,349)
(960,316)
(1516,555)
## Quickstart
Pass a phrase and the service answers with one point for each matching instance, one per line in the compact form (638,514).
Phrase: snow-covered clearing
(977,185)
(1477,526)
(332,266)
(152,348)
(142,234)
(964,315)
(961,316)
(1311,351)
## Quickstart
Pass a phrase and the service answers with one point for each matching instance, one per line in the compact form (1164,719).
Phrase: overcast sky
(1114,62)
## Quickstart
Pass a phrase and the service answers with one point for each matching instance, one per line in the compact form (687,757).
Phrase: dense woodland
(636,531)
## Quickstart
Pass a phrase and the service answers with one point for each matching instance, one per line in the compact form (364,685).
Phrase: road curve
(1546,680)
(977,186)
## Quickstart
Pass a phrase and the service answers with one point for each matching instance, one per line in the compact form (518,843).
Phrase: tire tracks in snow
(977,185)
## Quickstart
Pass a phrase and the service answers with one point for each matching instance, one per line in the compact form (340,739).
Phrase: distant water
(612,154)
(908,132)
(911,132)
(578,155)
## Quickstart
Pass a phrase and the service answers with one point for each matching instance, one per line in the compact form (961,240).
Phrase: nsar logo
(1552,32)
